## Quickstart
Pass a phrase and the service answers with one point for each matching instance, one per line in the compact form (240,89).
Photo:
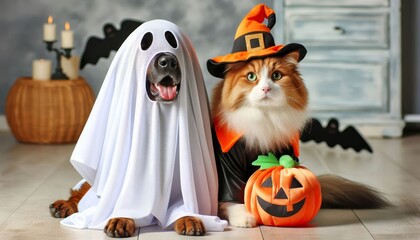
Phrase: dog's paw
(190,226)
(120,227)
(237,215)
(62,208)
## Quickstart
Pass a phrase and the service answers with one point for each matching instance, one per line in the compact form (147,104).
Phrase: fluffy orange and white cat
(265,100)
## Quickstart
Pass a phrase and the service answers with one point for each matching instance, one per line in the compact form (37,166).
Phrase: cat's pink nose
(266,89)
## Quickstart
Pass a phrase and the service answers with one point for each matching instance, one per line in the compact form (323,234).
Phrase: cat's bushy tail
(338,192)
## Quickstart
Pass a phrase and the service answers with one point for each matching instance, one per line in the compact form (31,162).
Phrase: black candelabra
(66,52)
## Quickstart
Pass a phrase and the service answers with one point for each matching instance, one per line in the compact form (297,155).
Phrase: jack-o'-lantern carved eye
(295,183)
(267,183)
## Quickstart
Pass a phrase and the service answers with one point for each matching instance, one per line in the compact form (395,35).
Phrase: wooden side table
(48,111)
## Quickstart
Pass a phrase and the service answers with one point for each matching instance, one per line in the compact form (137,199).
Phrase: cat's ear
(292,57)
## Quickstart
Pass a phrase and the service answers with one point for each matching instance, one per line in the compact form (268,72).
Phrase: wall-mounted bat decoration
(97,48)
(348,138)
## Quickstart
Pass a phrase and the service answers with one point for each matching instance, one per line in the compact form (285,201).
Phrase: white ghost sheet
(146,160)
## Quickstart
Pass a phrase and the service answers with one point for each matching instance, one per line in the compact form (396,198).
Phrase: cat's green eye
(276,75)
(251,77)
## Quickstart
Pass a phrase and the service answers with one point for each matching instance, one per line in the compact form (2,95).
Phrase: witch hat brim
(217,66)
(253,40)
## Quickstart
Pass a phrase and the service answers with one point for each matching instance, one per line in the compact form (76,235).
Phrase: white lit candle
(71,66)
(41,69)
(49,30)
(67,37)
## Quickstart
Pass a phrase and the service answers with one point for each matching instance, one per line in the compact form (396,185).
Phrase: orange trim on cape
(227,137)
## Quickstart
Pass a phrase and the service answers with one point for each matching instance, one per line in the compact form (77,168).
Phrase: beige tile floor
(33,176)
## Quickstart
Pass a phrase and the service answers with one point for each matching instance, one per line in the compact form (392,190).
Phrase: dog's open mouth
(165,90)
(163,78)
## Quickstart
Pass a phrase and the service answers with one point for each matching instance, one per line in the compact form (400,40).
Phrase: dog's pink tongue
(167,93)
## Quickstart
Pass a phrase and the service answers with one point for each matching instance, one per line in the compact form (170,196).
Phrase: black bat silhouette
(348,138)
(97,48)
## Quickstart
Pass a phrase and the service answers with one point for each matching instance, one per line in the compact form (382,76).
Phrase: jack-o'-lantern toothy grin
(278,210)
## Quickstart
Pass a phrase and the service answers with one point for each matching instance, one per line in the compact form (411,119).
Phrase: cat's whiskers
(297,88)
(296,101)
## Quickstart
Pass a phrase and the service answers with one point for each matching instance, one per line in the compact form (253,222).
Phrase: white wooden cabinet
(352,69)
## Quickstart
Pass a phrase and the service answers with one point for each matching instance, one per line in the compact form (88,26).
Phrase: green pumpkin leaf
(266,161)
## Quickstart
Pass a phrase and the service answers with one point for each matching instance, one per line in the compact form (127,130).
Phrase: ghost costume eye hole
(171,39)
(146,41)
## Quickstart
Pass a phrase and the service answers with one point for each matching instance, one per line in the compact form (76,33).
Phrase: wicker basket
(48,111)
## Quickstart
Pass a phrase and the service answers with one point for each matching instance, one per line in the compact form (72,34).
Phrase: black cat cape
(234,161)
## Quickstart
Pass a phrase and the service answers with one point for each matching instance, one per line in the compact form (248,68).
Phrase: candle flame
(50,19)
(67,26)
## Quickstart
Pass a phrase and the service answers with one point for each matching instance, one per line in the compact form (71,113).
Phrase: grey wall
(211,26)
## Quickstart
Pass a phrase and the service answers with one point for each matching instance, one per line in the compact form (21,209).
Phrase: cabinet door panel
(335,3)
(338,28)
(341,86)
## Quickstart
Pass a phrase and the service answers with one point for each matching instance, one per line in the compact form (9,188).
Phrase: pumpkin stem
(287,161)
(271,161)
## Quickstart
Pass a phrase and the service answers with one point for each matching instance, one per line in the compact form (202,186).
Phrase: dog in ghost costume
(146,152)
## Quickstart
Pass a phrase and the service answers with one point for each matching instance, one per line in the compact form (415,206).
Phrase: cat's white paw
(237,215)
(244,220)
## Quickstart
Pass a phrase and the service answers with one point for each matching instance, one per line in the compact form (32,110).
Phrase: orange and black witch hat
(253,40)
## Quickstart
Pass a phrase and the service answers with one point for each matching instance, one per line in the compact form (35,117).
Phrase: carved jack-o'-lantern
(282,195)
